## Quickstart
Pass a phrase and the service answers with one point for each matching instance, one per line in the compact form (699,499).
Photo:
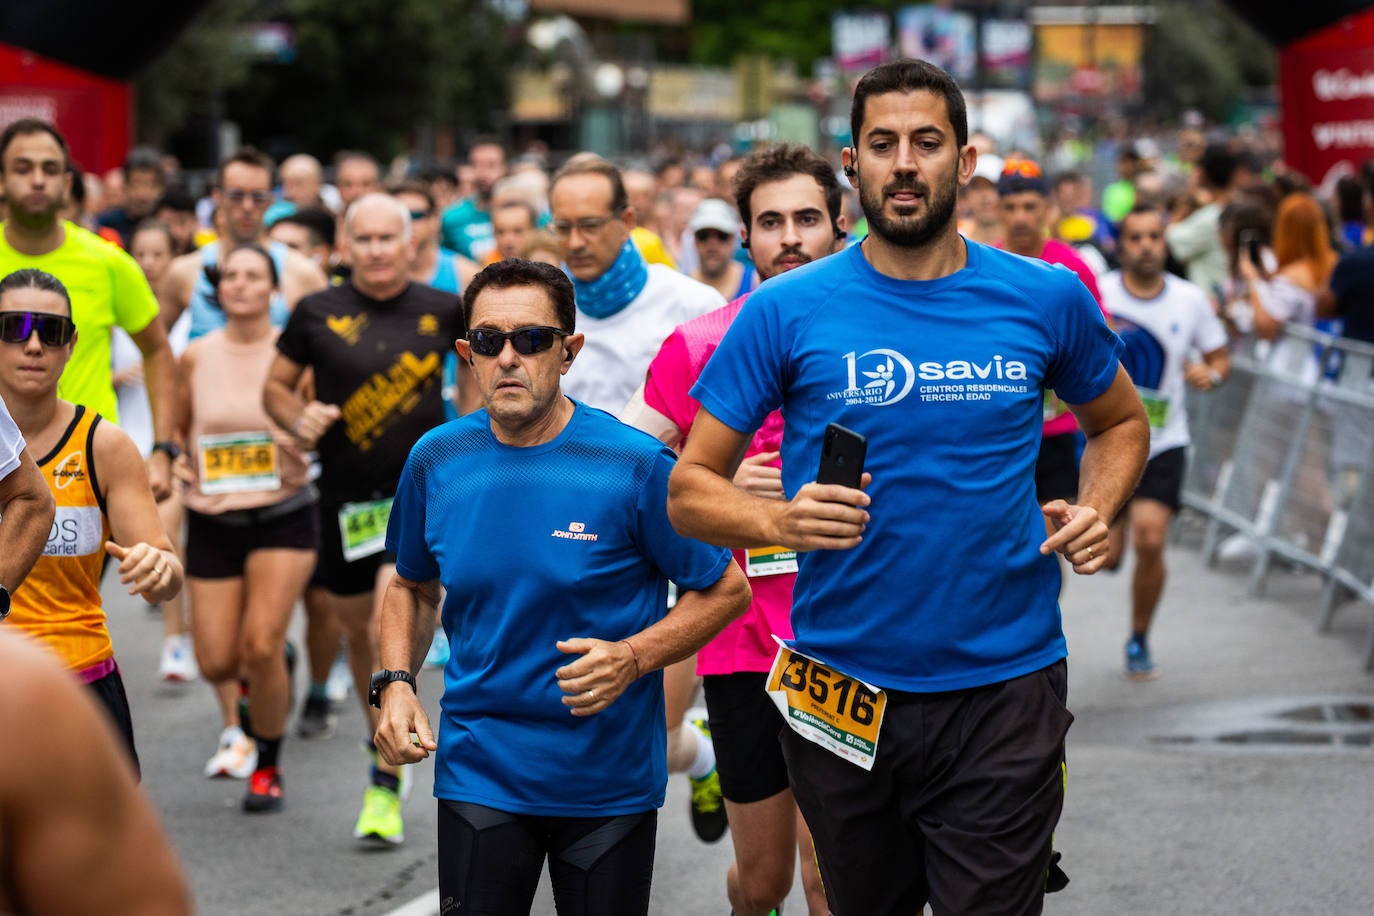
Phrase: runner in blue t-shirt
(546,521)
(925,687)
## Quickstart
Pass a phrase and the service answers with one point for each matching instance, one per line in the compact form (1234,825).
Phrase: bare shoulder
(1301,274)
(185,267)
(115,457)
(303,274)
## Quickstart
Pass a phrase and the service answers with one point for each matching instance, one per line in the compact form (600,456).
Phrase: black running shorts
(109,693)
(490,861)
(744,730)
(1056,468)
(340,576)
(217,550)
(958,810)
(1163,478)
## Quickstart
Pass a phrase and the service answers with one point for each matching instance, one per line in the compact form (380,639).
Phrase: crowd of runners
(550,430)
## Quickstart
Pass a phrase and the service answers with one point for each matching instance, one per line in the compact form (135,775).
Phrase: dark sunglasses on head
(53,330)
(533,339)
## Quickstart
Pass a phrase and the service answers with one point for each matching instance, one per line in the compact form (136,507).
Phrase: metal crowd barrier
(1282,461)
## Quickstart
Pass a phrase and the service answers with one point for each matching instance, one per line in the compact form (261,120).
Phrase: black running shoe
(316,719)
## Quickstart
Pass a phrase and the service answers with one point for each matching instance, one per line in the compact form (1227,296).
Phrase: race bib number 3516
(827,707)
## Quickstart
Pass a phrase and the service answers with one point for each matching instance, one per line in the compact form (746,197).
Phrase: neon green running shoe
(708,806)
(380,819)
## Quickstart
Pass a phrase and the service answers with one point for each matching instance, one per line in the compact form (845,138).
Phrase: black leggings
(490,861)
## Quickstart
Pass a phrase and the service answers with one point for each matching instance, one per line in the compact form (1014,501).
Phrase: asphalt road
(1188,794)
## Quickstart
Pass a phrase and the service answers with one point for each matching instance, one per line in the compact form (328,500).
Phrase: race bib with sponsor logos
(238,463)
(827,707)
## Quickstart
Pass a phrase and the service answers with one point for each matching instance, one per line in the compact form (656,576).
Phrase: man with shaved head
(302,188)
(375,344)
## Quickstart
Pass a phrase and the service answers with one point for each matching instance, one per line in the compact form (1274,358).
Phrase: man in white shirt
(1161,319)
(626,306)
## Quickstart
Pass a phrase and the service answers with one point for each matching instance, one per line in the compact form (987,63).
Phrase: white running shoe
(340,682)
(1237,547)
(236,758)
(178,663)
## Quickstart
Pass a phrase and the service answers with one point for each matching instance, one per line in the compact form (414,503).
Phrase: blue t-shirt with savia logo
(533,545)
(945,378)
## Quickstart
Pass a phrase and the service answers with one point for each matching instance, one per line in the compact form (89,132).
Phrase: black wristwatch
(170,448)
(4,602)
(381,678)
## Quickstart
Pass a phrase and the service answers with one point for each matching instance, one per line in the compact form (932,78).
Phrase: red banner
(1326,81)
(93,113)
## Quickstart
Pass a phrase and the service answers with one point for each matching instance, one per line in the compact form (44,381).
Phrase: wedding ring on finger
(1090,551)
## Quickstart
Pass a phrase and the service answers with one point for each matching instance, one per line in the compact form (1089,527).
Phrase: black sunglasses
(53,330)
(534,339)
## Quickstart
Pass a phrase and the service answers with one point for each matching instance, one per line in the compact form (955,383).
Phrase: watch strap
(388,676)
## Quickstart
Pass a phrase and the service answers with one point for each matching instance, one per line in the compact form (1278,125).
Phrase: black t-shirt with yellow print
(381,363)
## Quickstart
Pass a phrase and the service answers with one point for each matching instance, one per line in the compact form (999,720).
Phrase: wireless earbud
(852,170)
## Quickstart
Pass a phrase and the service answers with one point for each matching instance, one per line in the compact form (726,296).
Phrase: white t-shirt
(11,443)
(619,348)
(1159,333)
(135,413)
(1288,302)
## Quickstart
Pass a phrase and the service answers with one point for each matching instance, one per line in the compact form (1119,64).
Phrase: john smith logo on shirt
(349,327)
(877,378)
(68,471)
(577,531)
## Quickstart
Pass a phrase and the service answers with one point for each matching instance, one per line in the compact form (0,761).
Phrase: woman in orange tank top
(105,506)
(251,528)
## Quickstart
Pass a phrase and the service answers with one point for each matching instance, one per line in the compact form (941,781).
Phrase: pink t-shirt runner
(746,644)
(1056,252)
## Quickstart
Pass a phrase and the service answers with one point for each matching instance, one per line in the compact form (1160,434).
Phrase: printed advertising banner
(94,113)
(1326,82)
(860,41)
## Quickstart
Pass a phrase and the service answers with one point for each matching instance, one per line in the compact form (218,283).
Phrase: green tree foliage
(795,30)
(180,84)
(1202,55)
(366,74)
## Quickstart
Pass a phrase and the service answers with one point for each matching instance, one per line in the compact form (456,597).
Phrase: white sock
(705,760)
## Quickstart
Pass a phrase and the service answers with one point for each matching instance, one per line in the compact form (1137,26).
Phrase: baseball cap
(989,166)
(714,213)
(1020,174)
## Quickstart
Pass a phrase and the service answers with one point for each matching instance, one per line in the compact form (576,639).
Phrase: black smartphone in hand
(842,457)
(1251,241)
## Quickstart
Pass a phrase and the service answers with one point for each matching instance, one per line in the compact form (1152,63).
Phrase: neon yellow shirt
(651,246)
(108,289)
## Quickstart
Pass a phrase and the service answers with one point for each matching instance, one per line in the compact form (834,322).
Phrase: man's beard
(769,271)
(42,219)
(911,231)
